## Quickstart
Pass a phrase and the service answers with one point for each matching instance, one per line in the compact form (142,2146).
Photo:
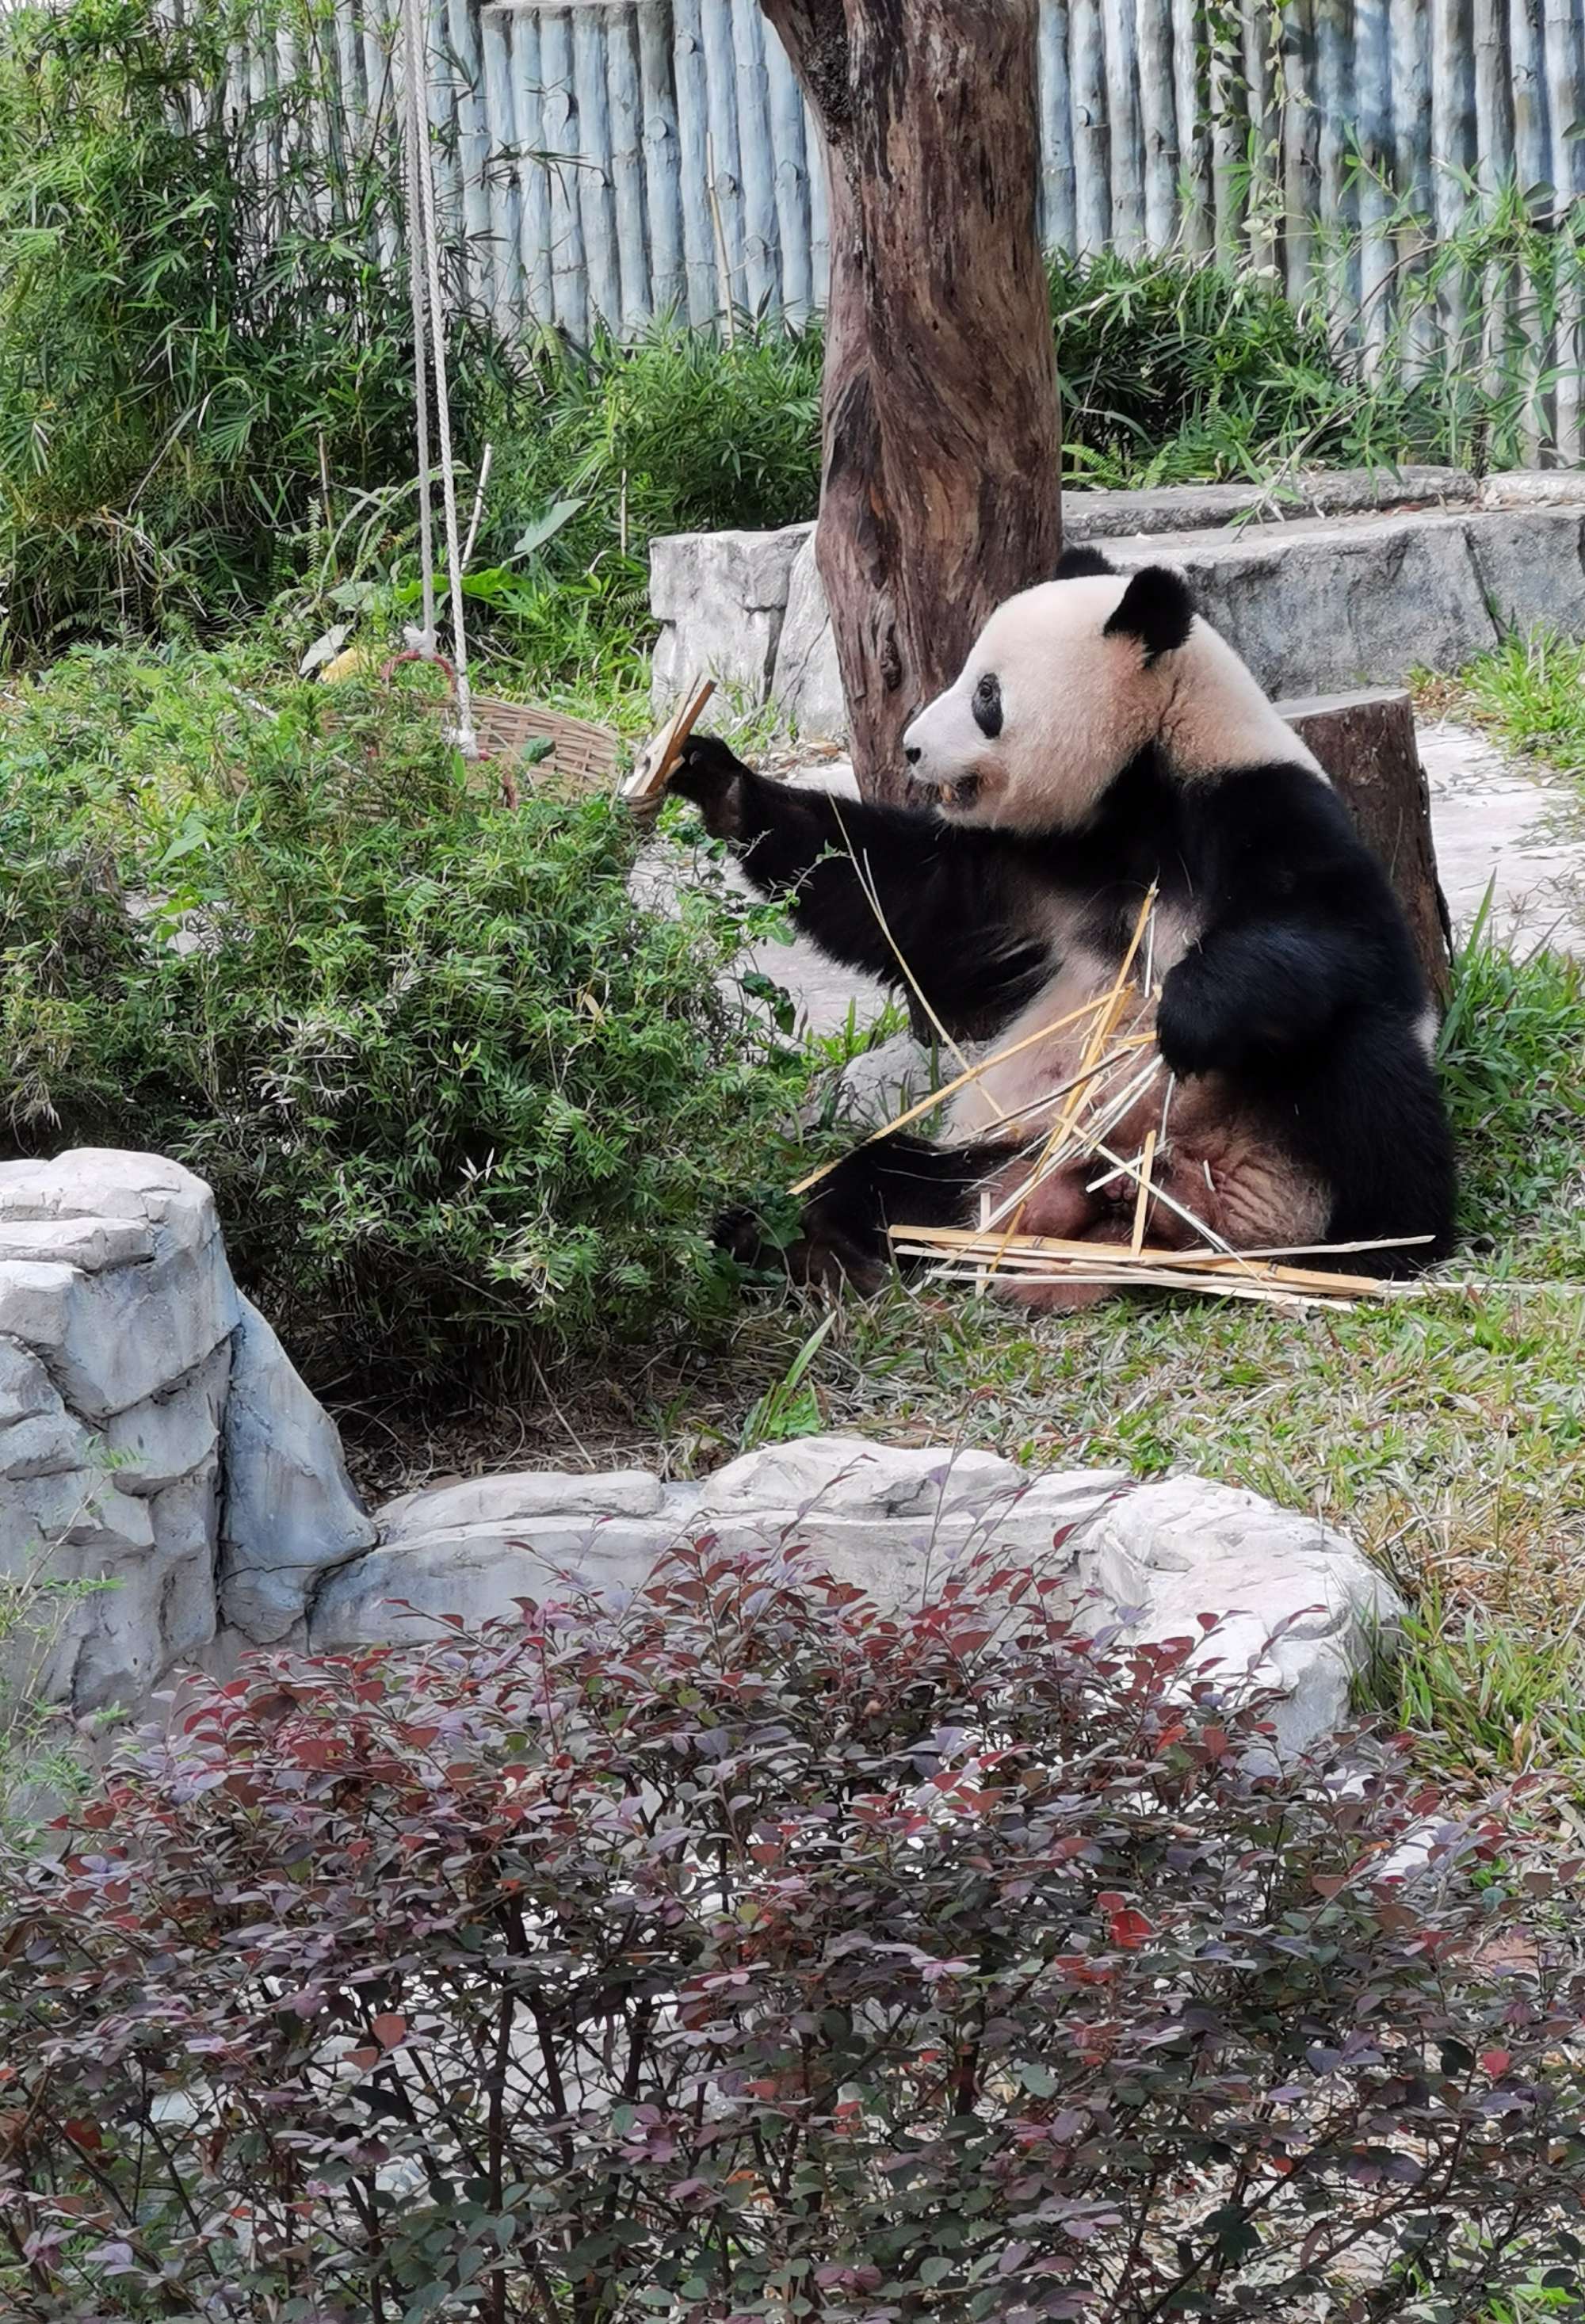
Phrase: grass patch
(1531,695)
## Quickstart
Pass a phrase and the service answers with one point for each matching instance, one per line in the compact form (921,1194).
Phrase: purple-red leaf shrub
(750,1952)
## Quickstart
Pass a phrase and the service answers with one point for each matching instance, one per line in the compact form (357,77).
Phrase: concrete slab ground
(1498,824)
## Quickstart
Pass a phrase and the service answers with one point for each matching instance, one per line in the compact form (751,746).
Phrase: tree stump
(941,432)
(1365,742)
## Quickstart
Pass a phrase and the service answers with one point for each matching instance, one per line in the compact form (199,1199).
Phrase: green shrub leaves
(454,1088)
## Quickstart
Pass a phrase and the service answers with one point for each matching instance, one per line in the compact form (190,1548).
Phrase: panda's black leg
(899,1181)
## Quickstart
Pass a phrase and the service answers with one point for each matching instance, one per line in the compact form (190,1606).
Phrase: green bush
(1174,373)
(458,1095)
(192,335)
(206,366)
(682,433)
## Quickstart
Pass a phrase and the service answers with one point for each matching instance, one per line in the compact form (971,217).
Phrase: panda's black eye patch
(987,707)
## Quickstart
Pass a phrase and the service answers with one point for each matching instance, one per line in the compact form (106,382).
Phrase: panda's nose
(911,753)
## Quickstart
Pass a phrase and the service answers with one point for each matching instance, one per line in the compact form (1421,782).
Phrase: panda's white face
(1069,681)
(1048,711)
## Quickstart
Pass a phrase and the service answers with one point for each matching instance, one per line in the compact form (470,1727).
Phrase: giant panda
(1103,737)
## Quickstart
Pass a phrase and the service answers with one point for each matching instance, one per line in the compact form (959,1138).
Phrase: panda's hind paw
(824,1259)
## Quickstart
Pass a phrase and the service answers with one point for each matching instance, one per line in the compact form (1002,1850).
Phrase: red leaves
(1126,1927)
(673,1916)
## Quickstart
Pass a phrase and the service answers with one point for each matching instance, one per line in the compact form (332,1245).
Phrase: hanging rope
(414,135)
(429,348)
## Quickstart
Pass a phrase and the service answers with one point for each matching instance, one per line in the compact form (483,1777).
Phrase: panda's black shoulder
(1280,833)
(1281,805)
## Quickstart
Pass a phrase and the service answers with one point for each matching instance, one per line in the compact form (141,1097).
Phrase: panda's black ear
(1157,608)
(1080,564)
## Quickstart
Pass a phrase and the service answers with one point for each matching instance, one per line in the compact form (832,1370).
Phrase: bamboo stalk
(1099,1033)
(1142,1200)
(1132,1278)
(650,777)
(959,1081)
(1059,1254)
(1055,1154)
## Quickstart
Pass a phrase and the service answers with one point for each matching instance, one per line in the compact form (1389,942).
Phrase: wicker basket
(584,756)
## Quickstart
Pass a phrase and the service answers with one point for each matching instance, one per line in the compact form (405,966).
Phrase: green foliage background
(455,1088)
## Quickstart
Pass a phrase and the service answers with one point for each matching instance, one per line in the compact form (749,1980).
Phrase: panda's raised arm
(1301,925)
(951,901)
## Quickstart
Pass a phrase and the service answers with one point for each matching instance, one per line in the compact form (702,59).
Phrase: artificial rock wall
(169,1492)
(1345,580)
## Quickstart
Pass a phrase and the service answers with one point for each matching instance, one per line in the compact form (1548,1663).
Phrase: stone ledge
(1355,580)
(153,1437)
(1300,1605)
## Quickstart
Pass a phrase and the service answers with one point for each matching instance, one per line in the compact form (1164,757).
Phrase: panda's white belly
(1021,1090)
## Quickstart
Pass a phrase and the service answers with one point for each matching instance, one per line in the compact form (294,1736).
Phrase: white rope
(414,133)
(424,243)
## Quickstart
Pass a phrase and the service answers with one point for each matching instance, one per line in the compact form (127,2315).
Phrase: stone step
(1363,594)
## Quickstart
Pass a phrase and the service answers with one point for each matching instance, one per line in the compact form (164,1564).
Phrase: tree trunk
(1365,742)
(941,433)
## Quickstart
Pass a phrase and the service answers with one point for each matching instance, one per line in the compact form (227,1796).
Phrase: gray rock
(479,1573)
(155,1297)
(879,1084)
(719,598)
(38,1436)
(1342,580)
(807,684)
(221,1482)
(833,1476)
(117,1305)
(515,1498)
(173,1434)
(1303,1608)
(33,1302)
(118,1317)
(1528,562)
(90,1244)
(1523,488)
(290,1513)
(1336,603)
(1319,492)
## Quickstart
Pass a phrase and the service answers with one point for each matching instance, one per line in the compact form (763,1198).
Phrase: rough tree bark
(1366,742)
(941,432)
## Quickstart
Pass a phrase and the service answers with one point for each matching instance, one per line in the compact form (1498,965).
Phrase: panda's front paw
(716,779)
(1194,1030)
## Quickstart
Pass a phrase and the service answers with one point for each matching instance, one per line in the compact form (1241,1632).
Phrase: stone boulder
(1338,581)
(804,681)
(1302,1609)
(170,1493)
(290,1512)
(719,598)
(147,1415)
